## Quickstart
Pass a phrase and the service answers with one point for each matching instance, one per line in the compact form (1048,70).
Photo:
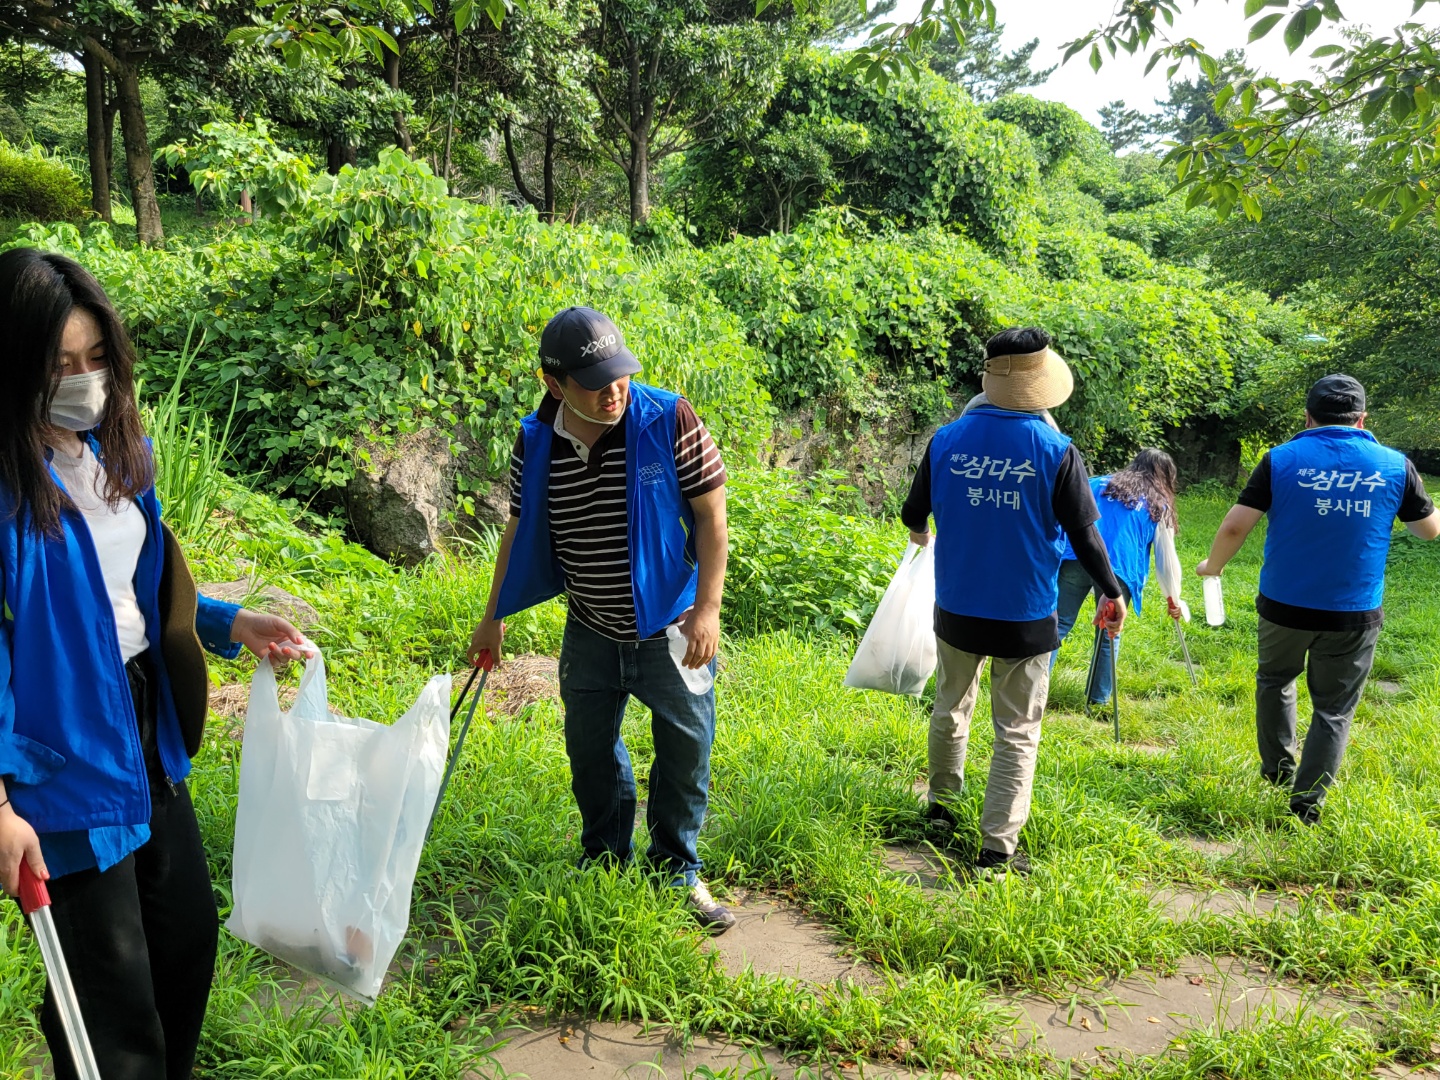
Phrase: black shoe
(1282,779)
(713,916)
(996,865)
(1306,815)
(937,813)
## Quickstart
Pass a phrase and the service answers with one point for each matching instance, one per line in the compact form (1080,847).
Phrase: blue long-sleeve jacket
(69,740)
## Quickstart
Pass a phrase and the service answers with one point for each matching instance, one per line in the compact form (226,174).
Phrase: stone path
(1143,1015)
(776,939)
(602,1051)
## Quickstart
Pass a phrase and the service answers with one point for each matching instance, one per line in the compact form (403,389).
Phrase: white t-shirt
(119,534)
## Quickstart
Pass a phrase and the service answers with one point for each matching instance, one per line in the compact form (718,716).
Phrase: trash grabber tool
(1103,611)
(35,902)
(487,665)
(1184,648)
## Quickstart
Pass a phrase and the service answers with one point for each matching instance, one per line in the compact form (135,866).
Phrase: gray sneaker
(713,916)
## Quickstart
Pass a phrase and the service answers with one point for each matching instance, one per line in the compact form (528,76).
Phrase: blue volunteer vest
(663,566)
(1129,536)
(1335,492)
(992,483)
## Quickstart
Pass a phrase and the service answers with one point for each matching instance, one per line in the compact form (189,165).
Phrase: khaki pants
(1017,698)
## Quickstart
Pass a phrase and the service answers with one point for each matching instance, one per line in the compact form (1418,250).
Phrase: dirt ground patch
(517,683)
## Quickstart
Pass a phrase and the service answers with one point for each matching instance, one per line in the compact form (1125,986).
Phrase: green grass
(811,781)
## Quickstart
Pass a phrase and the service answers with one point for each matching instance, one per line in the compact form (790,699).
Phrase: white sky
(1217,24)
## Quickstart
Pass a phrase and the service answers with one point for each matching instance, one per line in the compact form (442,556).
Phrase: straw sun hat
(1027,381)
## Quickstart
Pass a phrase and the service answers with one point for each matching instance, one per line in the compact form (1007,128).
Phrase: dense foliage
(35,186)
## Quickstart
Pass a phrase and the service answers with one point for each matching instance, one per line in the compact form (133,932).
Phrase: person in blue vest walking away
(103,686)
(1332,494)
(1135,504)
(617,499)
(1004,486)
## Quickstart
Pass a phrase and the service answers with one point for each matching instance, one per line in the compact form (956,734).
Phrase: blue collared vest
(69,741)
(663,566)
(1129,535)
(992,484)
(1335,492)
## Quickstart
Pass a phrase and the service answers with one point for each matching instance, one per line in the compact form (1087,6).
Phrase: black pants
(139,941)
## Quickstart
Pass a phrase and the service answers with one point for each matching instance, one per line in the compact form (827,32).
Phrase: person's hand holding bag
(269,637)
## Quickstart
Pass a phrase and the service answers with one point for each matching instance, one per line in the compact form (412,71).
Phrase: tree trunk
(639,177)
(450,122)
(137,154)
(550,171)
(392,79)
(97,131)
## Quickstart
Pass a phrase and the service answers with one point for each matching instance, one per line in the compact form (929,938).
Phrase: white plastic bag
(332,816)
(897,653)
(1167,568)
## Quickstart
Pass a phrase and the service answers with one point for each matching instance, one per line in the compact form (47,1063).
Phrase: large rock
(880,460)
(401,495)
(269,598)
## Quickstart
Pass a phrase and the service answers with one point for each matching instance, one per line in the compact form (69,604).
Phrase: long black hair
(38,292)
(1150,476)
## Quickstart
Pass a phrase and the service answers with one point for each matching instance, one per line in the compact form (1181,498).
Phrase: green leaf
(1223,97)
(1327,50)
(1095,59)
(1252,7)
(1264,26)
(1295,30)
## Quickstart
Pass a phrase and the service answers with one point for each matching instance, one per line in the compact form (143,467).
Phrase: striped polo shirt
(589,521)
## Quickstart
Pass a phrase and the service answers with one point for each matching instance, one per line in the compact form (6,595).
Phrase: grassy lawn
(811,782)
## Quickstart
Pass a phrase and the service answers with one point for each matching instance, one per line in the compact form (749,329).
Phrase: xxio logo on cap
(603,342)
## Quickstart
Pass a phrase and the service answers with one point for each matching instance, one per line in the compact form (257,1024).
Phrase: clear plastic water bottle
(1214,601)
(697,680)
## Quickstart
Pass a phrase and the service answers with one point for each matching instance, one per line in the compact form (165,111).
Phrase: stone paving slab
(1143,1015)
(777,939)
(606,1051)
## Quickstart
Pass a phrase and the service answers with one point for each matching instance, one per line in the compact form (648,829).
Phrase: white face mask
(80,401)
(590,419)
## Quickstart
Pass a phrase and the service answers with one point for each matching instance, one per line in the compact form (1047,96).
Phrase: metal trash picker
(35,902)
(1104,610)
(1184,648)
(487,665)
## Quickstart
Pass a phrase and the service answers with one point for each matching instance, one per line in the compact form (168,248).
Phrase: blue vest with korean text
(1129,535)
(1335,494)
(998,543)
(663,566)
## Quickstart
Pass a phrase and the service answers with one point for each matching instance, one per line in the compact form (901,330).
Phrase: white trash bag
(897,653)
(332,816)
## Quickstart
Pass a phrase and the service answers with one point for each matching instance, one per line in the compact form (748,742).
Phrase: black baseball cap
(1335,395)
(584,345)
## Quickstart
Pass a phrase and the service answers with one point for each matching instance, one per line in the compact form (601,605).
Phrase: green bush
(916,152)
(386,305)
(38,187)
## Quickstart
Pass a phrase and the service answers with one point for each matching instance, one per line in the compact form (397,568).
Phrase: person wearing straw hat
(1332,494)
(1004,487)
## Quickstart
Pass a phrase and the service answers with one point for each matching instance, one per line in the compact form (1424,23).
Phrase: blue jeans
(597,678)
(1075,585)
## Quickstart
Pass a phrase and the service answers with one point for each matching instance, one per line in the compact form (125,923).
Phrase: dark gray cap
(1335,395)
(584,345)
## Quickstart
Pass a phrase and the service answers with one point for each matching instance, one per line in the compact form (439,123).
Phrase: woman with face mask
(101,679)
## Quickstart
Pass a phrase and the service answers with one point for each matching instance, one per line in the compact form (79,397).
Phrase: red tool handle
(1106,610)
(486,661)
(33,894)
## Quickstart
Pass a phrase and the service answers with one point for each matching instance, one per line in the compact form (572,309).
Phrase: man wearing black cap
(617,499)
(1331,493)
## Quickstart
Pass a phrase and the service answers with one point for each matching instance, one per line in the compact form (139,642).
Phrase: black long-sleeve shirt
(1075,509)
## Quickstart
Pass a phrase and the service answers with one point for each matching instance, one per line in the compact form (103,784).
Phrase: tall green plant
(189,454)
